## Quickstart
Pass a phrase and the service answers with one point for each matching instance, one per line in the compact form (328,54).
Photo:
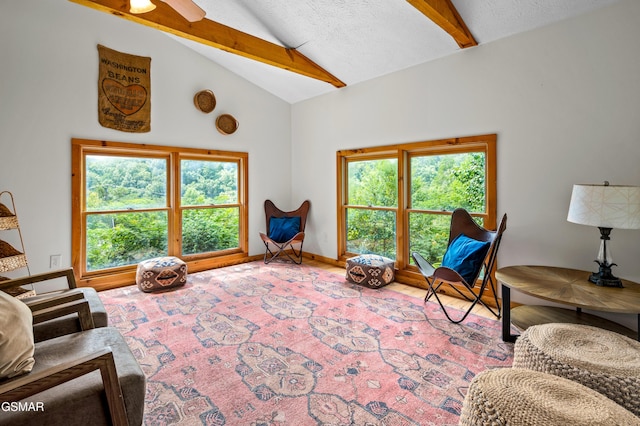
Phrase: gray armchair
(65,324)
(64,387)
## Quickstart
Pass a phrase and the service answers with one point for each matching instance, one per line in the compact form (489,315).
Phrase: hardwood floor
(411,291)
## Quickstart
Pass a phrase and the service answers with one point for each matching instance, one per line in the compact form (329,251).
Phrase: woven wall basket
(205,101)
(226,124)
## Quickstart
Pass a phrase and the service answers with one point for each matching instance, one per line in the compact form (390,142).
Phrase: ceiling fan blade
(188,9)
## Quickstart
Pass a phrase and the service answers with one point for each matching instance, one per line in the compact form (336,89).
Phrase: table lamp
(607,207)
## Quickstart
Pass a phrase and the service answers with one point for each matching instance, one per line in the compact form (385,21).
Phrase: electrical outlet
(55,261)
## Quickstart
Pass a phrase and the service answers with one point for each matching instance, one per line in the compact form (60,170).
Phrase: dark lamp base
(604,277)
(605,282)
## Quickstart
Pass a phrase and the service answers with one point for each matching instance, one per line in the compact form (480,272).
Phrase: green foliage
(124,184)
(372,183)
(125,238)
(208,182)
(201,230)
(443,183)
(115,183)
(447,182)
(371,231)
(439,183)
(429,235)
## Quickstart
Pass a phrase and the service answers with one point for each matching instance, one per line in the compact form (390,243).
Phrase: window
(209,205)
(372,205)
(134,202)
(439,184)
(394,200)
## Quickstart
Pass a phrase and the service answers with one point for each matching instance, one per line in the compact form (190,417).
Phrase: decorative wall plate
(226,124)
(205,101)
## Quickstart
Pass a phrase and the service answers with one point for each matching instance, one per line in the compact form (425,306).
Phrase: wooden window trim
(405,272)
(125,275)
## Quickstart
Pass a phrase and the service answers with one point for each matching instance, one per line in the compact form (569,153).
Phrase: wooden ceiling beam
(445,15)
(214,34)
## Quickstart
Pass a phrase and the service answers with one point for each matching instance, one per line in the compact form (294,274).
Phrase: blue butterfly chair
(472,250)
(285,232)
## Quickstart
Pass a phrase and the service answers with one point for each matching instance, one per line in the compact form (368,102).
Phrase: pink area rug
(280,344)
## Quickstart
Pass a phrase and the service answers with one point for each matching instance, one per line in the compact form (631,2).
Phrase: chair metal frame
(463,223)
(274,249)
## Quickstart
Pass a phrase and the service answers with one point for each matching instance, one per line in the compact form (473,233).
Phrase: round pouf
(370,270)
(161,273)
(602,360)
(518,397)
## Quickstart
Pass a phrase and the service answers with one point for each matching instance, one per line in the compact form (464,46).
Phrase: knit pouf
(161,273)
(370,270)
(602,360)
(519,397)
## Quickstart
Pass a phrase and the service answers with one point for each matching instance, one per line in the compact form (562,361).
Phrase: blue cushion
(282,229)
(465,255)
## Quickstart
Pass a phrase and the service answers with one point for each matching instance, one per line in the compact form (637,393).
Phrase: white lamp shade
(605,206)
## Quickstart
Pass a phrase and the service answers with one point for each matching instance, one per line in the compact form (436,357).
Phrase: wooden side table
(565,286)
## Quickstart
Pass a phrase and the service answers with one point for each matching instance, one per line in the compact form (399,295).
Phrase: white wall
(564,101)
(48,95)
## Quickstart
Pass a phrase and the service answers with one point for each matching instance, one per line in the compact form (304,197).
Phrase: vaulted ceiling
(299,49)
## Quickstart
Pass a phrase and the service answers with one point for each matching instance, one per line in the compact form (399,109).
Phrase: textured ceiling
(358,40)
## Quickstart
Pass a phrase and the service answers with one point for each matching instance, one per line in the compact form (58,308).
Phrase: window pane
(371,231)
(207,230)
(125,238)
(429,236)
(208,182)
(373,183)
(120,183)
(446,182)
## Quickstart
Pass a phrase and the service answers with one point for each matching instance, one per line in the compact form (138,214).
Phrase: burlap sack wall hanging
(124,91)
